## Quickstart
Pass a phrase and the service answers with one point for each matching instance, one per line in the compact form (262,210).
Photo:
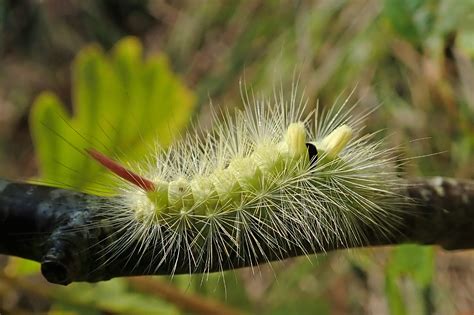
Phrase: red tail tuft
(121,171)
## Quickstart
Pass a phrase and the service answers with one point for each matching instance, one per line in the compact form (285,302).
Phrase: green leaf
(21,267)
(112,297)
(409,263)
(415,261)
(121,106)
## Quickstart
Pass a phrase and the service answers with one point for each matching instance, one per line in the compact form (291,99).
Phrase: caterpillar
(265,181)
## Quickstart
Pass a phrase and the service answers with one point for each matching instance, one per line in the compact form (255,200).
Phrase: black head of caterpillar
(312,153)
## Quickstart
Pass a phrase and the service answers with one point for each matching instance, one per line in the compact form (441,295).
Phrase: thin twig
(56,228)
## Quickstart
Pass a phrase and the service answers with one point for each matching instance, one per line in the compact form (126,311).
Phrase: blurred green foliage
(122,105)
(111,296)
(412,263)
(414,57)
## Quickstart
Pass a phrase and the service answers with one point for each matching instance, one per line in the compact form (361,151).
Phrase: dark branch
(56,228)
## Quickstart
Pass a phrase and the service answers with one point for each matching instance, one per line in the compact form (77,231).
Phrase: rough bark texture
(56,228)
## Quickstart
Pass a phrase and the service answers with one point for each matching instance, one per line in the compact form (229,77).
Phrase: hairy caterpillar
(264,182)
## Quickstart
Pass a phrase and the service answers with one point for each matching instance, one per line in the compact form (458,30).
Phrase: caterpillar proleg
(262,183)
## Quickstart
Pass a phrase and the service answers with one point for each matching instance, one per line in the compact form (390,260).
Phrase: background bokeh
(413,58)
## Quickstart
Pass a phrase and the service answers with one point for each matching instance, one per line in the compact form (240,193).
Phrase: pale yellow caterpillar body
(262,182)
